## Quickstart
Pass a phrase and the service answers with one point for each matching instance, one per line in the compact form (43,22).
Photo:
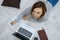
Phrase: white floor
(52,25)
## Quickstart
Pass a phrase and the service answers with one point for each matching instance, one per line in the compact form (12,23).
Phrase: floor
(51,26)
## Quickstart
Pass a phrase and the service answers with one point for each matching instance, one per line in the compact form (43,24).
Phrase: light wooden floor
(52,25)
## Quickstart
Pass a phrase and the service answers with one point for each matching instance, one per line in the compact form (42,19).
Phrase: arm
(24,13)
(19,16)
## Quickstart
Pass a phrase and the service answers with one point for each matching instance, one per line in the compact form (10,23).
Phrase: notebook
(42,35)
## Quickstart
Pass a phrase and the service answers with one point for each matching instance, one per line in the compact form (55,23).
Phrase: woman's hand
(13,22)
(26,17)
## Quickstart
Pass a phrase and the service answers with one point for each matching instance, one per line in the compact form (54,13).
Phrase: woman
(37,12)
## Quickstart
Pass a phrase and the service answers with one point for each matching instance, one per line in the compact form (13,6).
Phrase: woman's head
(38,10)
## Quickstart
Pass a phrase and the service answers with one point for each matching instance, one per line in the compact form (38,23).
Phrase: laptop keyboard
(25,32)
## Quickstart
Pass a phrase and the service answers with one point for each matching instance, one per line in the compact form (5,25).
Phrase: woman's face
(37,12)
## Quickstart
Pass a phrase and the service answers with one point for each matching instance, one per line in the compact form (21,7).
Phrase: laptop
(24,32)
